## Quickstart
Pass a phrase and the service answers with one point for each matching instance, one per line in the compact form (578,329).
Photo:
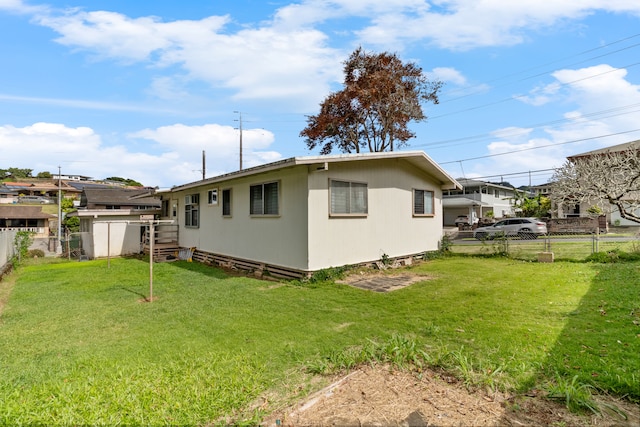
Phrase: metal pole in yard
(108,245)
(59,242)
(151,239)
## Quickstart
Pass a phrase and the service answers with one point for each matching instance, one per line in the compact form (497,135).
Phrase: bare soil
(381,396)
(377,395)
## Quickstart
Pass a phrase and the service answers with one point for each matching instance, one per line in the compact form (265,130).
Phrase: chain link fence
(562,245)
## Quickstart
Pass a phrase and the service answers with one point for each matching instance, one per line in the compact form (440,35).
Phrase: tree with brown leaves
(381,95)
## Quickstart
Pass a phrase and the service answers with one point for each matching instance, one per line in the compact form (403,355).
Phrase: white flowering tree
(609,180)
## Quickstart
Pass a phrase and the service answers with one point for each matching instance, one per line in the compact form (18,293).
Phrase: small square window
(264,199)
(212,196)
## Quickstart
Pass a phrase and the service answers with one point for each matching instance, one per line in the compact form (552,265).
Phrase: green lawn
(78,344)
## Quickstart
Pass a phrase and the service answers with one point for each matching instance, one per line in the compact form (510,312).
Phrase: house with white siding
(109,219)
(305,214)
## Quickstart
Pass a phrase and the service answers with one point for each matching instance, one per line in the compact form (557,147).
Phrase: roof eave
(418,158)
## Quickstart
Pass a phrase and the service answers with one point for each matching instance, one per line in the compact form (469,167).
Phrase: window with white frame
(423,203)
(226,202)
(191,210)
(348,198)
(212,196)
(264,199)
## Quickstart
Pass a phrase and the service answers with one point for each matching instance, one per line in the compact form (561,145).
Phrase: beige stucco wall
(304,236)
(280,240)
(389,228)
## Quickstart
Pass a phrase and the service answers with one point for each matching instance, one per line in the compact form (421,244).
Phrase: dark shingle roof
(120,196)
(22,212)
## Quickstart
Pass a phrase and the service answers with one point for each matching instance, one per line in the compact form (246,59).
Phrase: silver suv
(525,228)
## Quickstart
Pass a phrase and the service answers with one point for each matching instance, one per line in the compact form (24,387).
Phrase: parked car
(464,220)
(525,228)
(34,199)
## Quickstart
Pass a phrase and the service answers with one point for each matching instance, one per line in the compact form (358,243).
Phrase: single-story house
(108,220)
(26,218)
(305,214)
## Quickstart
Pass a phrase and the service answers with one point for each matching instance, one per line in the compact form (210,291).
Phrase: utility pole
(59,242)
(203,165)
(240,128)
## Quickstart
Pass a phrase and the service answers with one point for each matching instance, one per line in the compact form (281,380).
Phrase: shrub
(614,255)
(21,243)
(327,274)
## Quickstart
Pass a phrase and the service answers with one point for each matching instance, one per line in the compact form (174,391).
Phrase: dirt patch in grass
(381,282)
(380,396)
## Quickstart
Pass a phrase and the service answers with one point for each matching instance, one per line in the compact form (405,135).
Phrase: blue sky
(140,89)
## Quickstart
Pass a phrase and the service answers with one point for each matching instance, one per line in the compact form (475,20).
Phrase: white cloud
(607,106)
(513,133)
(10,4)
(541,95)
(447,74)
(468,24)
(289,57)
(18,6)
(256,63)
(221,144)
(86,105)
(81,151)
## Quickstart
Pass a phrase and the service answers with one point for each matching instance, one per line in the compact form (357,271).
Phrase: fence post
(595,247)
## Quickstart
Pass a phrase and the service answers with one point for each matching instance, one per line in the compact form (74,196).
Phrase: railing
(163,234)
(37,230)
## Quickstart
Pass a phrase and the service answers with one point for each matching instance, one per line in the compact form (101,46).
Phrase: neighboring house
(45,188)
(7,195)
(108,218)
(580,210)
(542,189)
(74,177)
(26,218)
(479,198)
(305,214)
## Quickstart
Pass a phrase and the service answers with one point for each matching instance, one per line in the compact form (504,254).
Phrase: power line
(550,63)
(526,173)
(540,146)
(485,136)
(477,107)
